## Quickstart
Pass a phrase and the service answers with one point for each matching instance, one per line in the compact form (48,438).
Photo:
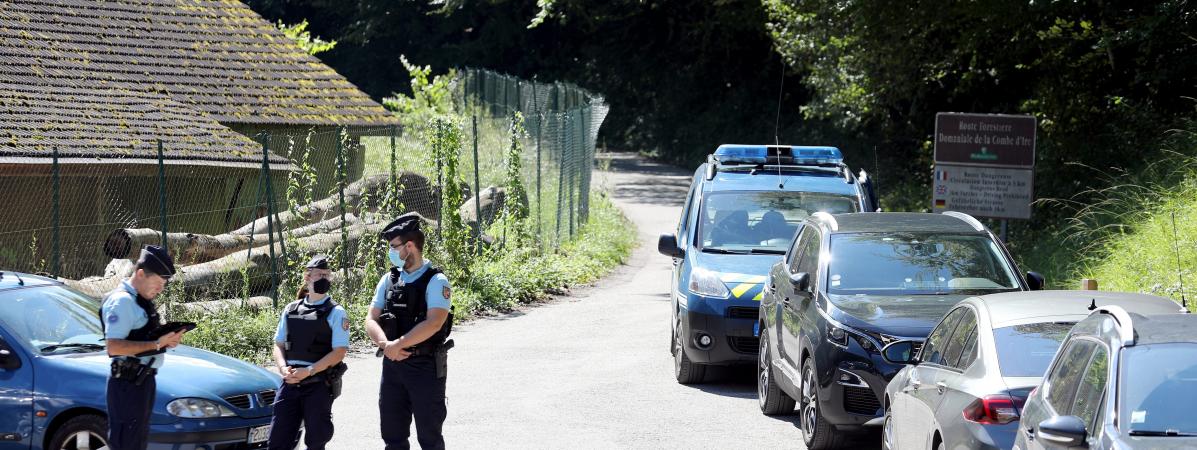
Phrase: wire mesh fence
(242,222)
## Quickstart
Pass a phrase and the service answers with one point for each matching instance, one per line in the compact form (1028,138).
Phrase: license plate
(259,434)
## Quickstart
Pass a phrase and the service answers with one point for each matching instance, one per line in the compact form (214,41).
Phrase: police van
(744,206)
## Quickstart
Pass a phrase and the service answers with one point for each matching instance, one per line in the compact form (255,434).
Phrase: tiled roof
(216,56)
(104,122)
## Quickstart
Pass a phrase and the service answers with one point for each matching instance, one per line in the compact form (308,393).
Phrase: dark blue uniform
(308,331)
(414,387)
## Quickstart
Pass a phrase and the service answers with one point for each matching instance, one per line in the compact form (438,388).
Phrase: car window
(1026,350)
(1157,388)
(683,225)
(809,261)
(970,350)
(1092,386)
(959,339)
(744,221)
(1062,383)
(792,254)
(918,263)
(933,349)
(51,318)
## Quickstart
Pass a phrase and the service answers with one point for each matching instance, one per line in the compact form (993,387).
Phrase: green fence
(241,224)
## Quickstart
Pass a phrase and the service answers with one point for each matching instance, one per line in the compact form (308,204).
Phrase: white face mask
(395,257)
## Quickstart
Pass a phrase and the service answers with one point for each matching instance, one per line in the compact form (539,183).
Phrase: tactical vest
(153,321)
(408,302)
(309,336)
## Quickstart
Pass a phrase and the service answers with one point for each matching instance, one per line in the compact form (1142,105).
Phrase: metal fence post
(572,176)
(560,171)
(539,126)
(341,176)
(162,192)
(477,191)
(270,218)
(55,259)
(394,183)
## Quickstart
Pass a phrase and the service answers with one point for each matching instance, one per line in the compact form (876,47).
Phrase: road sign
(984,165)
(992,140)
(995,192)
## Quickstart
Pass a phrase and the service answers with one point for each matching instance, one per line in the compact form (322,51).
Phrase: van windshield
(761,221)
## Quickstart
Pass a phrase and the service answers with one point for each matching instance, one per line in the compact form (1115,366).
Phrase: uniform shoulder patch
(446,292)
(345,324)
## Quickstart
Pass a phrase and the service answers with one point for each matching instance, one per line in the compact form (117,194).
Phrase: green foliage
(516,206)
(430,95)
(302,37)
(445,136)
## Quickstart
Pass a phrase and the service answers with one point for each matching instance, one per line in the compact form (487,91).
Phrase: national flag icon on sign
(941,203)
(941,175)
(941,190)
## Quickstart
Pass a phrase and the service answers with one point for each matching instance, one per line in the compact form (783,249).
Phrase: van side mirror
(1035,281)
(801,281)
(1062,432)
(667,245)
(900,352)
(8,358)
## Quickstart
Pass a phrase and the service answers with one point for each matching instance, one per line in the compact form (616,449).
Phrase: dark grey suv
(1120,381)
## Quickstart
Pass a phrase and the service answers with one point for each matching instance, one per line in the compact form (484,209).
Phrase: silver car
(966,386)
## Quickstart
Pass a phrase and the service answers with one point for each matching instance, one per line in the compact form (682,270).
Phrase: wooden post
(1088,284)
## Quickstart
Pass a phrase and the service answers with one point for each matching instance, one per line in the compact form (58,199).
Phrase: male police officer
(413,302)
(311,341)
(130,320)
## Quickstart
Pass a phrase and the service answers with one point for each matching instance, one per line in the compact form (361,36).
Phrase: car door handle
(941,387)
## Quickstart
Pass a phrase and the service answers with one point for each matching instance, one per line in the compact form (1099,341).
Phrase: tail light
(994,409)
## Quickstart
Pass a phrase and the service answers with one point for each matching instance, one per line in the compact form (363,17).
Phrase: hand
(394,352)
(284,370)
(294,376)
(170,340)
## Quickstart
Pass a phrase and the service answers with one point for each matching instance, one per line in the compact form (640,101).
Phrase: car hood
(744,275)
(187,372)
(899,315)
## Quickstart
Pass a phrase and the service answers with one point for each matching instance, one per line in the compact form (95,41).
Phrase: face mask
(321,286)
(396,260)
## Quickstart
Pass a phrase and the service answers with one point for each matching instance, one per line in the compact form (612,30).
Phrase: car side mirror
(667,245)
(900,352)
(1035,281)
(8,359)
(801,281)
(1062,432)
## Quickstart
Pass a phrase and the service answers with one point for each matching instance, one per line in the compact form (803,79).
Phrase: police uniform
(131,385)
(309,330)
(415,386)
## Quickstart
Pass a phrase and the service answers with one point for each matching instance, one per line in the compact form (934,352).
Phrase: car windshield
(1026,350)
(917,263)
(763,222)
(52,319)
(1158,388)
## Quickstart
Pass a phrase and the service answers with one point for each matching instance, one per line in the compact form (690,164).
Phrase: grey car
(1121,380)
(965,388)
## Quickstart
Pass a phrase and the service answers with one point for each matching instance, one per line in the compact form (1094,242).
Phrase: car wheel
(888,440)
(686,371)
(817,434)
(772,399)
(88,432)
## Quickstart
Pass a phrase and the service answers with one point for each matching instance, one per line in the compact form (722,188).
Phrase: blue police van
(54,371)
(744,206)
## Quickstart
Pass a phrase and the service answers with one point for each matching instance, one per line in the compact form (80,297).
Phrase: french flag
(941,175)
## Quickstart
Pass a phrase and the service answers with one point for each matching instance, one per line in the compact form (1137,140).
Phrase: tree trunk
(190,248)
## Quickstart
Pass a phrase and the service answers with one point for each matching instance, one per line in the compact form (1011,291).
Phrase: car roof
(1016,308)
(1164,328)
(815,180)
(901,222)
(13,280)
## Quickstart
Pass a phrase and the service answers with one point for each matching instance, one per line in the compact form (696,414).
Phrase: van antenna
(1179,273)
(781,184)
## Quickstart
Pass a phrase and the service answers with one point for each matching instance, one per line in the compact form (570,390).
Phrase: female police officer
(311,341)
(415,294)
(130,319)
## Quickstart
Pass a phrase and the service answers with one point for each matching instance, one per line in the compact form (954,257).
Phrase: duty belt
(132,370)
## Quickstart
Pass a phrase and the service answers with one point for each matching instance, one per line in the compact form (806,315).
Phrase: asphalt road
(590,370)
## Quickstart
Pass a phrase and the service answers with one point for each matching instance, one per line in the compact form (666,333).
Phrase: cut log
(190,248)
(414,192)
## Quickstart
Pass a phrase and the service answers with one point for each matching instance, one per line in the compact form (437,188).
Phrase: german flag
(941,203)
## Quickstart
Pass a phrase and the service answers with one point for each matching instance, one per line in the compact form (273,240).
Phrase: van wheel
(686,371)
(817,434)
(89,432)
(772,399)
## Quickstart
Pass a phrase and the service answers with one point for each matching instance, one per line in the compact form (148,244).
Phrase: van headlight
(197,408)
(706,283)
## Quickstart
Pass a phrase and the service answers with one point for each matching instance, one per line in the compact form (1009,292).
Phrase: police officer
(311,341)
(412,304)
(130,319)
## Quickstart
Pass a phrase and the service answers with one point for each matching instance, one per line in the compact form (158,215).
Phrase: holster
(334,377)
(132,371)
(441,356)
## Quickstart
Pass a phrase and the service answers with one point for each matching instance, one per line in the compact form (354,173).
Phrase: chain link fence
(242,223)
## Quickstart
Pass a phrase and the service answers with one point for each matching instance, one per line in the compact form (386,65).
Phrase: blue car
(744,206)
(54,370)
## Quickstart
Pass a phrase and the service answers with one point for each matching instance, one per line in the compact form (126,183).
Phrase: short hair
(416,236)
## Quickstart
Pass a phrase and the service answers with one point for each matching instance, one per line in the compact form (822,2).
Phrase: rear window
(1027,350)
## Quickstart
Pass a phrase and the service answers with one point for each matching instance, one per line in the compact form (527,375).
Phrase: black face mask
(321,286)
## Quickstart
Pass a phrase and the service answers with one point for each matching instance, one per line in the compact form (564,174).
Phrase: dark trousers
(411,388)
(129,407)
(308,404)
